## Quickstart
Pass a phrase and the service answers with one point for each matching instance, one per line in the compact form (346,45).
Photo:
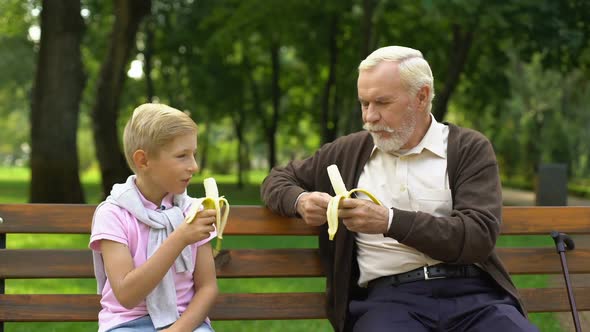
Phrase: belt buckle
(426,276)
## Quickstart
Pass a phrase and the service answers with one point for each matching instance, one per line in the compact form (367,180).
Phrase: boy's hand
(201,227)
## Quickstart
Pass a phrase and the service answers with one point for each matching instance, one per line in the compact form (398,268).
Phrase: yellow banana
(341,193)
(212,200)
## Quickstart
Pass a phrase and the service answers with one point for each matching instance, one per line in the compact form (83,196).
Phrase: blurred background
(268,81)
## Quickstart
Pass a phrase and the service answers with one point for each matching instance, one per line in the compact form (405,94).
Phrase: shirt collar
(167,201)
(432,141)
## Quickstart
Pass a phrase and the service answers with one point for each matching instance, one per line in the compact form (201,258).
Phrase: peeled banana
(212,200)
(341,193)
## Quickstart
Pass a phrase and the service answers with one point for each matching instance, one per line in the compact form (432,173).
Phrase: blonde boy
(154,271)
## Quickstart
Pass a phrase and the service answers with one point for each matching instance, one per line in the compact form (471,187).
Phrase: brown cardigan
(467,236)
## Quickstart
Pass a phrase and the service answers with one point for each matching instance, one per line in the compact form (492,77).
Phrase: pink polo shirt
(117,224)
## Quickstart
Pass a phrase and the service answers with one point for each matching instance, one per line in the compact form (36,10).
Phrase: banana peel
(212,200)
(341,193)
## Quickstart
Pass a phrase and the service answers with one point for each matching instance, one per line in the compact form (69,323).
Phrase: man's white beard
(398,137)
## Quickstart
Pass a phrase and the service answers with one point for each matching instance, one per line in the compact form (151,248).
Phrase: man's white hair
(414,70)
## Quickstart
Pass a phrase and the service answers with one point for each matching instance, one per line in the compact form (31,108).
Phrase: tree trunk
(148,53)
(205,144)
(460,47)
(337,112)
(113,167)
(329,118)
(238,122)
(367,27)
(272,125)
(367,40)
(59,82)
(256,100)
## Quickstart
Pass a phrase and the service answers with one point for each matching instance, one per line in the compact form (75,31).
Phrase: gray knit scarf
(161,302)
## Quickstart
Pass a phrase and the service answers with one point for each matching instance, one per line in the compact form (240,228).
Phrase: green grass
(14,189)
(14,186)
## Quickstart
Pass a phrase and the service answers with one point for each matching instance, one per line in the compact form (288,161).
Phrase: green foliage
(16,60)
(14,147)
(524,82)
(580,189)
(536,124)
(16,65)
(15,17)
(86,150)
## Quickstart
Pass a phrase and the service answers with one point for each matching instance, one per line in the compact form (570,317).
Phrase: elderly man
(424,260)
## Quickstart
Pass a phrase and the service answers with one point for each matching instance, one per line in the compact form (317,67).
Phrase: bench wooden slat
(56,218)
(245,306)
(542,220)
(272,263)
(263,306)
(77,263)
(244,220)
(49,308)
(555,299)
(46,263)
(245,263)
(543,260)
(254,220)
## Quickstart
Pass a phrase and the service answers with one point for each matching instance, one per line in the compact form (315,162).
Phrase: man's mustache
(371,127)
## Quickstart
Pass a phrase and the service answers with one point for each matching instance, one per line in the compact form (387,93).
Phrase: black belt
(438,271)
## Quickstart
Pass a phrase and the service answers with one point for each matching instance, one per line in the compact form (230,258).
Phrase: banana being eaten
(212,200)
(341,193)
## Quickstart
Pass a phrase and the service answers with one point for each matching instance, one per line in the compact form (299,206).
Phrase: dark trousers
(452,304)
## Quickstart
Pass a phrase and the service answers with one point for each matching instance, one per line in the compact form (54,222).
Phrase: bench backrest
(256,262)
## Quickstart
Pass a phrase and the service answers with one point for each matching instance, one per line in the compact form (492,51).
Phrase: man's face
(388,111)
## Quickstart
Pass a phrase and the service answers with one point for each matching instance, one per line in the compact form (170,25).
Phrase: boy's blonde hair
(152,126)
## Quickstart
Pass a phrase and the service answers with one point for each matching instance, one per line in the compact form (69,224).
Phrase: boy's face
(170,171)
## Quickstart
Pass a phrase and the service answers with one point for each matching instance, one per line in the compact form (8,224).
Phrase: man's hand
(363,216)
(312,207)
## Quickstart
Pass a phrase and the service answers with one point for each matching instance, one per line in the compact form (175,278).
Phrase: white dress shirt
(415,180)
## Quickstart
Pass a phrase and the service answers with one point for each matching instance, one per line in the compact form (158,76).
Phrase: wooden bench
(266,263)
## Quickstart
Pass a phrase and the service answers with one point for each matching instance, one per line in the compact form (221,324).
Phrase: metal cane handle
(563,241)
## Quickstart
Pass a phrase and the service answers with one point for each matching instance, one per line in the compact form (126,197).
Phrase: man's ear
(422,97)
(140,159)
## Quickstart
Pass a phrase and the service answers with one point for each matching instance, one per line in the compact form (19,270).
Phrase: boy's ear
(140,159)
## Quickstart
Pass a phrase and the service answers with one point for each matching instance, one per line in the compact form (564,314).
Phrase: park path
(522,197)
